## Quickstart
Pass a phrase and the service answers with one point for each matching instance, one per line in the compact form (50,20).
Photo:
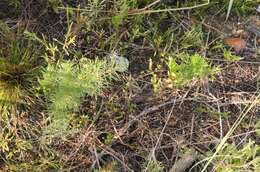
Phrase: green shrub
(232,159)
(66,84)
(190,68)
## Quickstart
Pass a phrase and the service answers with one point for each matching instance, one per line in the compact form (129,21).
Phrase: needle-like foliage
(66,83)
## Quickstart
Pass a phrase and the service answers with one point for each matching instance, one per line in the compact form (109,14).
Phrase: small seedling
(194,67)
(228,55)
(212,112)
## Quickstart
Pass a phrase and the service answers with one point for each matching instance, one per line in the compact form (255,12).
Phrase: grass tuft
(19,69)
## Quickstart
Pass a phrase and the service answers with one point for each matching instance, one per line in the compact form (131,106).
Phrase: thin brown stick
(131,12)
(168,10)
(152,154)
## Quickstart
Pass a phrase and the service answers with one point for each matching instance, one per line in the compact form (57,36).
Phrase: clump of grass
(19,69)
(13,147)
(124,6)
(192,38)
(194,67)
(240,7)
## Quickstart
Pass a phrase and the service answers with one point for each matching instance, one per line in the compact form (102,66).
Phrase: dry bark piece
(238,44)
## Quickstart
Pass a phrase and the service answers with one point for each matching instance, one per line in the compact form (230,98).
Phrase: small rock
(258,9)
(121,63)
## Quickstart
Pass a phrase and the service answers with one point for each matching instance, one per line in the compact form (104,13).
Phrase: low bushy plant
(66,83)
(233,159)
(194,67)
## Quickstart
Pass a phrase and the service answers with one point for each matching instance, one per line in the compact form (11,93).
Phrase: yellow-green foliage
(124,6)
(229,56)
(66,84)
(233,159)
(190,68)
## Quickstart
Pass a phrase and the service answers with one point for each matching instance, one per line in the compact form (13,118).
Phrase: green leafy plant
(214,113)
(228,55)
(109,138)
(66,83)
(15,3)
(155,80)
(190,68)
(124,6)
(232,159)
(224,140)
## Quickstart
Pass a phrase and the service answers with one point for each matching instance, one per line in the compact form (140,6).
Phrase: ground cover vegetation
(130,85)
